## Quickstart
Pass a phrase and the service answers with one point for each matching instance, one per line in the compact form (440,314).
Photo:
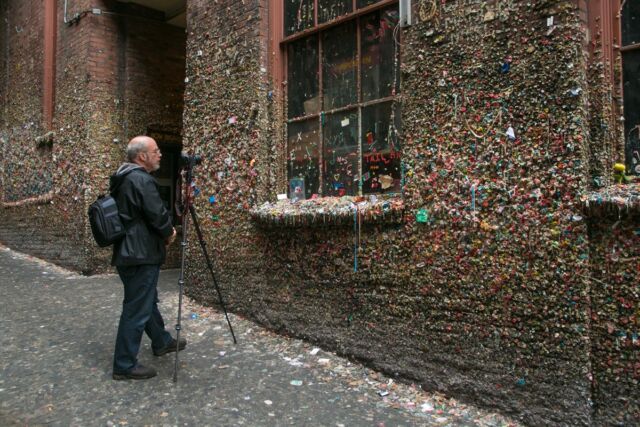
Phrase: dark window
(303,77)
(298,15)
(342,80)
(339,66)
(630,23)
(378,60)
(328,10)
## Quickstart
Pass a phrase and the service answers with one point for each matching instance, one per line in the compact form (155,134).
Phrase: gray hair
(135,147)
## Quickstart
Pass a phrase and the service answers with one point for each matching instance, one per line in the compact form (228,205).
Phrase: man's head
(144,151)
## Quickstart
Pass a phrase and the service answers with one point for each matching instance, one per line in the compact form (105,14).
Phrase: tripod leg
(183,245)
(210,266)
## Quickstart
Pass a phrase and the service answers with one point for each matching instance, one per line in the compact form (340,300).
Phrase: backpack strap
(113,191)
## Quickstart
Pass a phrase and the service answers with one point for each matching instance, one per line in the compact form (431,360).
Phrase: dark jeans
(139,313)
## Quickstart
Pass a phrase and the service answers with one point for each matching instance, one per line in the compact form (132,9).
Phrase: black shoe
(138,372)
(171,347)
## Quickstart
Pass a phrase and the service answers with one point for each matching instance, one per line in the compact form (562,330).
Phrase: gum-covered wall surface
(489,297)
(494,276)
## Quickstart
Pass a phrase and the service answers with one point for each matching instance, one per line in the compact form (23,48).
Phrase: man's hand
(169,240)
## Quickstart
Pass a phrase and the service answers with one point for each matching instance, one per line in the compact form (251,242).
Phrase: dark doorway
(167,176)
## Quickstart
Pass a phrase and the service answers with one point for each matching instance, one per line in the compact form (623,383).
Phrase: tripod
(189,162)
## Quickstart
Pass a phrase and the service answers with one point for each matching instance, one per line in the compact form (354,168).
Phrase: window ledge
(37,200)
(617,199)
(329,211)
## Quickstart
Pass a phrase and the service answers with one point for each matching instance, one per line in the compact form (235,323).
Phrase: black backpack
(106,225)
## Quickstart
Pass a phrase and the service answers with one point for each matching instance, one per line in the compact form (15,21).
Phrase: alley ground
(58,330)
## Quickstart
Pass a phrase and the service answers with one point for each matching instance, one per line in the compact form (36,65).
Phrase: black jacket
(143,214)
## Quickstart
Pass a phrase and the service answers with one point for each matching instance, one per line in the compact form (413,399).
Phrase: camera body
(190,161)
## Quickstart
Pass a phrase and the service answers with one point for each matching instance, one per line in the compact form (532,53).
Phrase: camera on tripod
(190,161)
(184,206)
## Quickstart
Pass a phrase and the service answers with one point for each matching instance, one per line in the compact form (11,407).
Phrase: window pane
(381,167)
(363,3)
(298,15)
(302,77)
(378,50)
(339,66)
(630,22)
(332,9)
(303,155)
(631,90)
(340,155)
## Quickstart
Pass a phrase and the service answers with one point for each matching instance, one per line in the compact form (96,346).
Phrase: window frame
(278,66)
(603,21)
(623,49)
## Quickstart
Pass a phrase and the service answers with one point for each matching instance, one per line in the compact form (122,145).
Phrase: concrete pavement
(58,331)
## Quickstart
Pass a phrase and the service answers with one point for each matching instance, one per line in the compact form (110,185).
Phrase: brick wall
(39,214)
(154,76)
(29,172)
(115,74)
(47,218)
(136,64)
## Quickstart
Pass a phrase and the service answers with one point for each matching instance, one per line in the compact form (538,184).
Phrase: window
(630,49)
(342,122)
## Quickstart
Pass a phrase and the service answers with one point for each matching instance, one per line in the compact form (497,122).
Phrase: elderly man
(138,257)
